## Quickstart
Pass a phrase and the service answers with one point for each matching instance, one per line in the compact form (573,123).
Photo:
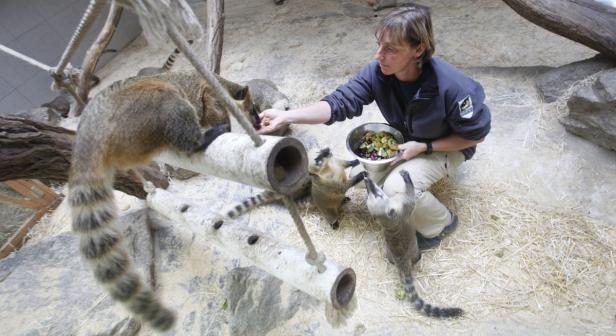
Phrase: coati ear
(313,169)
(323,153)
(241,93)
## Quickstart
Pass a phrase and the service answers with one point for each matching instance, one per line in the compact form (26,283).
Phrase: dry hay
(508,255)
(526,256)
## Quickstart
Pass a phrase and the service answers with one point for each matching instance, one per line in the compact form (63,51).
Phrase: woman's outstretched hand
(272,120)
(409,150)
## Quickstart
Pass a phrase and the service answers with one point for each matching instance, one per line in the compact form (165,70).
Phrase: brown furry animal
(123,127)
(393,214)
(327,187)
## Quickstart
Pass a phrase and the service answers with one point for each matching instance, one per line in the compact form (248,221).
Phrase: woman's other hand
(409,150)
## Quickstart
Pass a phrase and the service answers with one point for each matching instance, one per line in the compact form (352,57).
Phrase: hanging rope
(156,16)
(89,16)
(64,75)
(313,257)
(25,58)
(60,81)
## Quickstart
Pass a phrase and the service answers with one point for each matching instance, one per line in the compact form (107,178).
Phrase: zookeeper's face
(395,58)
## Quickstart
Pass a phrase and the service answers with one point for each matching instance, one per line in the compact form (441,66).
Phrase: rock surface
(592,110)
(258,302)
(49,283)
(555,83)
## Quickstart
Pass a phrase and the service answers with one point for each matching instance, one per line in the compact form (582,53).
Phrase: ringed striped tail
(251,203)
(93,212)
(426,308)
(171,59)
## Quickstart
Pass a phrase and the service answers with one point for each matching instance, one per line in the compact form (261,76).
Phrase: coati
(264,92)
(122,127)
(326,187)
(61,104)
(393,214)
(265,95)
(148,71)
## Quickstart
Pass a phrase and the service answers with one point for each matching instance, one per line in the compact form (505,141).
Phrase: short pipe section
(287,167)
(279,164)
(343,289)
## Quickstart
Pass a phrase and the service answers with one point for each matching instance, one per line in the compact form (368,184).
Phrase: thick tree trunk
(588,22)
(34,150)
(216,24)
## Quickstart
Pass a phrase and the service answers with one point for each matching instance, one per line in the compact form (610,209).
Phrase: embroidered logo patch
(466,107)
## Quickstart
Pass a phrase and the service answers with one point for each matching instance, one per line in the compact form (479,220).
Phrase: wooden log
(588,22)
(335,285)
(279,164)
(216,25)
(34,150)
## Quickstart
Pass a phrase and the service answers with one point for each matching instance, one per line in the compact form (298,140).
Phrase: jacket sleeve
(468,116)
(349,99)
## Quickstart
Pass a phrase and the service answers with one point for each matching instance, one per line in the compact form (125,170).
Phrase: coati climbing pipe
(335,285)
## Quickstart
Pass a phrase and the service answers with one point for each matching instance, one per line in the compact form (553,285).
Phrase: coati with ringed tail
(149,71)
(393,214)
(122,127)
(326,188)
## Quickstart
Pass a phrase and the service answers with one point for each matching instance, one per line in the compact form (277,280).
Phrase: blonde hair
(411,25)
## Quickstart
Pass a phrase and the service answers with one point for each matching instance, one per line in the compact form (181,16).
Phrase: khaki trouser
(430,215)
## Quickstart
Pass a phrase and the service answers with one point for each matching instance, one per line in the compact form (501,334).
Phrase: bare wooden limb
(34,150)
(215,23)
(94,53)
(588,22)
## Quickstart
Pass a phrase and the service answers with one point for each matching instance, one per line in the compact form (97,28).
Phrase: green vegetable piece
(400,293)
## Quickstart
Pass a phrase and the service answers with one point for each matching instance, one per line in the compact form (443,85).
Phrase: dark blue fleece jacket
(446,102)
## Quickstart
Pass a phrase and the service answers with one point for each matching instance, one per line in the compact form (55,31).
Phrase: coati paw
(417,257)
(211,134)
(335,225)
(390,257)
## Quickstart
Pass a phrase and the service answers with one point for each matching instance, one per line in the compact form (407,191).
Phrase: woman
(439,110)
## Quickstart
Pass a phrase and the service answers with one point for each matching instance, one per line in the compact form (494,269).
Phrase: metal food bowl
(353,141)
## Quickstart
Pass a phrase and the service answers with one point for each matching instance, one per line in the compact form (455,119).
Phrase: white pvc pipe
(279,164)
(336,285)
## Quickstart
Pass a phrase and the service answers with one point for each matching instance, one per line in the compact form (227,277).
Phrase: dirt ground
(531,191)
